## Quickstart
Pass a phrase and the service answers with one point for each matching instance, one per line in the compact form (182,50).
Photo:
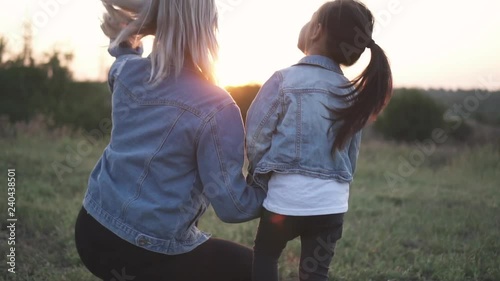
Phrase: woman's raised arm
(134,6)
(114,20)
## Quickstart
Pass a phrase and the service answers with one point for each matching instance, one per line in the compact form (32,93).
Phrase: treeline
(29,89)
(483,107)
(47,89)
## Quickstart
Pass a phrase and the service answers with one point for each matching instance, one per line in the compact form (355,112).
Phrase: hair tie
(371,44)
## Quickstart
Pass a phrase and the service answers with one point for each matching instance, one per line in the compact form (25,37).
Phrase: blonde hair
(183,30)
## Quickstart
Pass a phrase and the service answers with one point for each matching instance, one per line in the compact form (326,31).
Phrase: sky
(447,44)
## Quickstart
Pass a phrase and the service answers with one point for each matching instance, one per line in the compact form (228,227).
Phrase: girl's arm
(262,120)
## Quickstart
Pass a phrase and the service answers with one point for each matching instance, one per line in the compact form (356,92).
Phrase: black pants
(112,259)
(318,236)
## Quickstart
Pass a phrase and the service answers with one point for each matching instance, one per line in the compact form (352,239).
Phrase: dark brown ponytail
(349,27)
(372,91)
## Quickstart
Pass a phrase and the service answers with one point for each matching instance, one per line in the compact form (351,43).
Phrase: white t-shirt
(298,195)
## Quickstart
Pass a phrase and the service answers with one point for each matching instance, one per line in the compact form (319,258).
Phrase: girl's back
(297,100)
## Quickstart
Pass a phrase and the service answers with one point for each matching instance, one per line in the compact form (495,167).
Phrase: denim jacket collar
(321,61)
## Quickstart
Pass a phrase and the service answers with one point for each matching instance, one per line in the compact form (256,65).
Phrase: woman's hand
(121,13)
(134,6)
(114,20)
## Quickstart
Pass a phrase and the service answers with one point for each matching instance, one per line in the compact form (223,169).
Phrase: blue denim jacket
(175,148)
(288,125)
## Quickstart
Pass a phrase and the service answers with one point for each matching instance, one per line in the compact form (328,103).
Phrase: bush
(410,116)
(461,133)
(22,89)
(84,106)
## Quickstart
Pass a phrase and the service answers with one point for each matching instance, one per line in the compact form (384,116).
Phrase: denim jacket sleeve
(220,157)
(121,52)
(262,120)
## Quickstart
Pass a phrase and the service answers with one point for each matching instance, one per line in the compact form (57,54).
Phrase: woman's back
(166,161)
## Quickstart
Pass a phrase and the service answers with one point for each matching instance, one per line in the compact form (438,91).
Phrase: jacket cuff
(125,48)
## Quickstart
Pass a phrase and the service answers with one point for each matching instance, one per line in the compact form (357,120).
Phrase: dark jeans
(318,236)
(112,259)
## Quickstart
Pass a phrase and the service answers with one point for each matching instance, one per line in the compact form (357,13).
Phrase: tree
(411,115)
(28,88)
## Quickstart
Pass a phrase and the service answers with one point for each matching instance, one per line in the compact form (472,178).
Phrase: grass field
(438,220)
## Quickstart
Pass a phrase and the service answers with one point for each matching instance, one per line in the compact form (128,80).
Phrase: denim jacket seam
(147,166)
(183,106)
(207,119)
(199,132)
(127,91)
(164,102)
(213,125)
(292,90)
(322,66)
(280,100)
(161,245)
(325,63)
(218,109)
(281,92)
(118,66)
(115,70)
(298,136)
(291,168)
(262,124)
(265,167)
(104,215)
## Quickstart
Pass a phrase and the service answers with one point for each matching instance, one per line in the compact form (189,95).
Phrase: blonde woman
(177,146)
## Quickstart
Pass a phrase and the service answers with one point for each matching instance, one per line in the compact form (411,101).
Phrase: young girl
(303,138)
(175,148)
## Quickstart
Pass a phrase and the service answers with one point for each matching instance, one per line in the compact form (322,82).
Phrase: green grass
(442,223)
